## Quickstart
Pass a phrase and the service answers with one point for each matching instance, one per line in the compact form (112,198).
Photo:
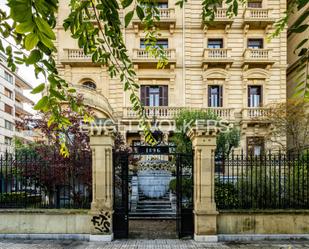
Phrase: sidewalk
(147,244)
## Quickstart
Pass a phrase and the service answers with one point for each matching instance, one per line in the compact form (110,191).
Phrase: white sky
(26,73)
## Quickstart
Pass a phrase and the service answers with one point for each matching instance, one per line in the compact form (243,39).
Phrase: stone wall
(264,222)
(45,222)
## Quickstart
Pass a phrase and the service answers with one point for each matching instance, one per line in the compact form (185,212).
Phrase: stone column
(101,143)
(205,212)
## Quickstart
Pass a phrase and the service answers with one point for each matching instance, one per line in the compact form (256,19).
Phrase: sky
(26,73)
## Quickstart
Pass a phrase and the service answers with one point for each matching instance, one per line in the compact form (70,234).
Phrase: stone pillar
(205,212)
(101,143)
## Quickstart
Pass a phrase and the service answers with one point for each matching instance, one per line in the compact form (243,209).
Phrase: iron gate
(120,216)
(185,218)
(184,188)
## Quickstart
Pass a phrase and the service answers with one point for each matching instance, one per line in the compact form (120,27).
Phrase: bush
(226,195)
(19,199)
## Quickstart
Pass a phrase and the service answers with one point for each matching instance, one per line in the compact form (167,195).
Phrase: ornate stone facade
(233,55)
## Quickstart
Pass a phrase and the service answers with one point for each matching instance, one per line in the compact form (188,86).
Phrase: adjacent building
(226,66)
(294,67)
(12,100)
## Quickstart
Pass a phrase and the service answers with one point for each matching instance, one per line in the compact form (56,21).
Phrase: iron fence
(44,179)
(269,181)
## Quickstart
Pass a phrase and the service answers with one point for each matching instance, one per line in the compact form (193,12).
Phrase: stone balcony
(217,57)
(255,114)
(144,58)
(167,20)
(169,113)
(258,17)
(76,57)
(262,57)
(221,20)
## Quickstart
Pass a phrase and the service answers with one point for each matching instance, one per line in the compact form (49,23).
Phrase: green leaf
(34,57)
(25,27)
(38,89)
(31,41)
(300,29)
(42,104)
(46,41)
(57,94)
(140,12)
(126,3)
(45,28)
(128,18)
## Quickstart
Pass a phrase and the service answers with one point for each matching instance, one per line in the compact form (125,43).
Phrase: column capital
(203,135)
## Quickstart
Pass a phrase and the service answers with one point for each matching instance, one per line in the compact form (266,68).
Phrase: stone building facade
(227,66)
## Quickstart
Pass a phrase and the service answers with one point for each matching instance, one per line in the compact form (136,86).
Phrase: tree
(226,141)
(289,119)
(30,25)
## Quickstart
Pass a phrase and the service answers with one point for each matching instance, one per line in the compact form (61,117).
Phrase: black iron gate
(120,216)
(184,188)
(185,218)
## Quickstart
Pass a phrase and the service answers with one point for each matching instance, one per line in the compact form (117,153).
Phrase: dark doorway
(153,193)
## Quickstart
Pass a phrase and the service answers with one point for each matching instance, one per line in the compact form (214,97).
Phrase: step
(154,206)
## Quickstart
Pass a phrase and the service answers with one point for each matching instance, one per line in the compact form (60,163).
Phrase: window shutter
(249,93)
(261,94)
(220,96)
(209,96)
(163,101)
(145,95)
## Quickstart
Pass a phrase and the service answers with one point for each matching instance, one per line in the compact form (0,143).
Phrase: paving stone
(148,244)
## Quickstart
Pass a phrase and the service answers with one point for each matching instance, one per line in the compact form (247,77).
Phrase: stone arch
(216,73)
(256,73)
(98,103)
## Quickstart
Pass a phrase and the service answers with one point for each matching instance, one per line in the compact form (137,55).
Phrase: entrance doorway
(153,193)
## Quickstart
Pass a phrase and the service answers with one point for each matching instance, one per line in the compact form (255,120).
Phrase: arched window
(90,85)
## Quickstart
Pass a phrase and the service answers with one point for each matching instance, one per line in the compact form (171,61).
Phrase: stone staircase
(161,208)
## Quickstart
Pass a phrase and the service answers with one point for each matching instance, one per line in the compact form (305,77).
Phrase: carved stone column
(101,142)
(205,213)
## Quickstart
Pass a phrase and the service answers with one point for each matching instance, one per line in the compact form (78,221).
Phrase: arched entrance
(153,185)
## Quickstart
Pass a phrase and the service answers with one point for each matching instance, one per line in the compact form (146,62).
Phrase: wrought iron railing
(44,179)
(268,181)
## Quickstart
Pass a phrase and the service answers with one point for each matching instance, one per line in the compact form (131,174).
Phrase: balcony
(221,20)
(258,56)
(169,113)
(258,17)
(255,114)
(167,20)
(19,108)
(76,57)
(145,58)
(217,57)
(20,95)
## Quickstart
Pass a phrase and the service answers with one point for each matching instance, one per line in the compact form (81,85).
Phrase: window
(8,109)
(255,4)
(90,85)
(160,5)
(255,146)
(8,93)
(9,125)
(255,43)
(215,96)
(215,43)
(254,96)
(160,42)
(154,95)
(8,77)
(8,140)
